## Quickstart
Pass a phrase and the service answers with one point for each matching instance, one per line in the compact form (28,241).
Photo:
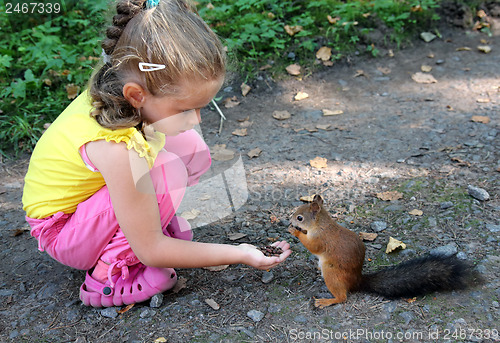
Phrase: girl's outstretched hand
(255,258)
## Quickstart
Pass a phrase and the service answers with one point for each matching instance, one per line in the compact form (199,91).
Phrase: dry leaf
(72,90)
(160,340)
(240,132)
(423,78)
(390,53)
(205,197)
(368,236)
(480,119)
(332,112)
(180,285)
(125,309)
(212,304)
(426,68)
(307,198)
(318,162)
(189,215)
(416,212)
(328,63)
(19,231)
(384,70)
(360,72)
(246,123)
(265,67)
(464,48)
(293,69)
(254,153)
(220,153)
(301,96)
(292,30)
(389,195)
(461,162)
(281,115)
(231,102)
(217,268)
(243,119)
(484,49)
(483,100)
(411,300)
(236,235)
(332,20)
(393,245)
(324,53)
(245,89)
(325,127)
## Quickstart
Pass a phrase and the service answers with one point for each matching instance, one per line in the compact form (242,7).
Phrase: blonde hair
(171,34)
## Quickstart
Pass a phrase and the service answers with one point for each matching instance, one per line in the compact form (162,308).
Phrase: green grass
(41,56)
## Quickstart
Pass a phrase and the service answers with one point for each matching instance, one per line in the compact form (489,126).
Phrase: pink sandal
(140,284)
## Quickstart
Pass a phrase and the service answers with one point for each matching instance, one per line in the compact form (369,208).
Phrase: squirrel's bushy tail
(421,276)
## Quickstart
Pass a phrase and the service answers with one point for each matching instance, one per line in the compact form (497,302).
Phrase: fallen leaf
(301,96)
(254,153)
(47,82)
(160,340)
(217,268)
(390,53)
(236,235)
(393,245)
(461,162)
(212,304)
(484,49)
(293,69)
(384,70)
(325,127)
(332,20)
(292,30)
(265,67)
(423,78)
(19,231)
(332,112)
(180,285)
(426,68)
(192,214)
(318,162)
(464,48)
(416,212)
(281,115)
(205,197)
(428,36)
(245,89)
(324,53)
(220,153)
(389,195)
(368,236)
(243,119)
(307,198)
(480,119)
(246,123)
(360,72)
(72,90)
(411,300)
(327,63)
(240,132)
(483,100)
(125,309)
(231,102)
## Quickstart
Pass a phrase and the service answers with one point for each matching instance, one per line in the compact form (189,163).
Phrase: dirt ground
(392,134)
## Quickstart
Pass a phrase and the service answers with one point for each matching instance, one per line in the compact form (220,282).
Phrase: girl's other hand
(255,258)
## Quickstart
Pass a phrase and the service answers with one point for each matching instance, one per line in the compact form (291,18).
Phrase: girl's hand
(255,258)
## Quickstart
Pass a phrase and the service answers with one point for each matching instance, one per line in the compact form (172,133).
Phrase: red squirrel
(341,254)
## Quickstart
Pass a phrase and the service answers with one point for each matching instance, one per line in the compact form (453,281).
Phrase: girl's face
(175,114)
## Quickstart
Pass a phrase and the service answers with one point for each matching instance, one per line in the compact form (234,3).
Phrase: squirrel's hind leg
(335,286)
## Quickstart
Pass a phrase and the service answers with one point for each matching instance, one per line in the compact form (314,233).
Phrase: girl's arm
(138,215)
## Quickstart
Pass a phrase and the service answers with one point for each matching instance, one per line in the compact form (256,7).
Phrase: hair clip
(152,3)
(150,66)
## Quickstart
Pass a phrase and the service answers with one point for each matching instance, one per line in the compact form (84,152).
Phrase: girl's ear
(135,94)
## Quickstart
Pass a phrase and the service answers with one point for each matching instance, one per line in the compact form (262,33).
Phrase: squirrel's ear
(315,208)
(318,200)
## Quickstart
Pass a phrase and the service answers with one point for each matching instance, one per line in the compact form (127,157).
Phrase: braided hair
(171,34)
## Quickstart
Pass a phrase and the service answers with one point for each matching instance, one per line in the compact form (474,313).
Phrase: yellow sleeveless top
(57,178)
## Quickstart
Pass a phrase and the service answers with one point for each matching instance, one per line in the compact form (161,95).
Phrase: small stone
(300,319)
(255,315)
(147,313)
(267,276)
(446,204)
(109,312)
(378,226)
(446,250)
(478,193)
(156,300)
(493,228)
(407,316)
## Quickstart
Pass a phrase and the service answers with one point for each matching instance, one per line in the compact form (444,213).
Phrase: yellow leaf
(301,96)
(240,132)
(307,198)
(254,153)
(319,162)
(324,53)
(416,212)
(384,70)
(293,69)
(389,195)
(368,236)
(231,102)
(464,48)
(426,68)
(281,115)
(423,78)
(332,112)
(220,153)
(393,245)
(480,119)
(484,49)
(72,90)
(292,30)
(332,20)
(325,127)
(160,340)
(189,215)
(245,89)
(483,100)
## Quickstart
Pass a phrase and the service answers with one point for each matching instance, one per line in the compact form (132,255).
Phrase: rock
(156,300)
(255,315)
(446,204)
(378,226)
(109,312)
(493,228)
(407,316)
(267,277)
(147,313)
(478,193)
(447,250)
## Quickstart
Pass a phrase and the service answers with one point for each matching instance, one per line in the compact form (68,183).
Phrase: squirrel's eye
(300,218)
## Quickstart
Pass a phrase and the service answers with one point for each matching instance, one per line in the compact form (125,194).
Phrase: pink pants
(92,232)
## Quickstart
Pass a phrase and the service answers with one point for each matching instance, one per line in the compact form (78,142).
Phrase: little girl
(106,178)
